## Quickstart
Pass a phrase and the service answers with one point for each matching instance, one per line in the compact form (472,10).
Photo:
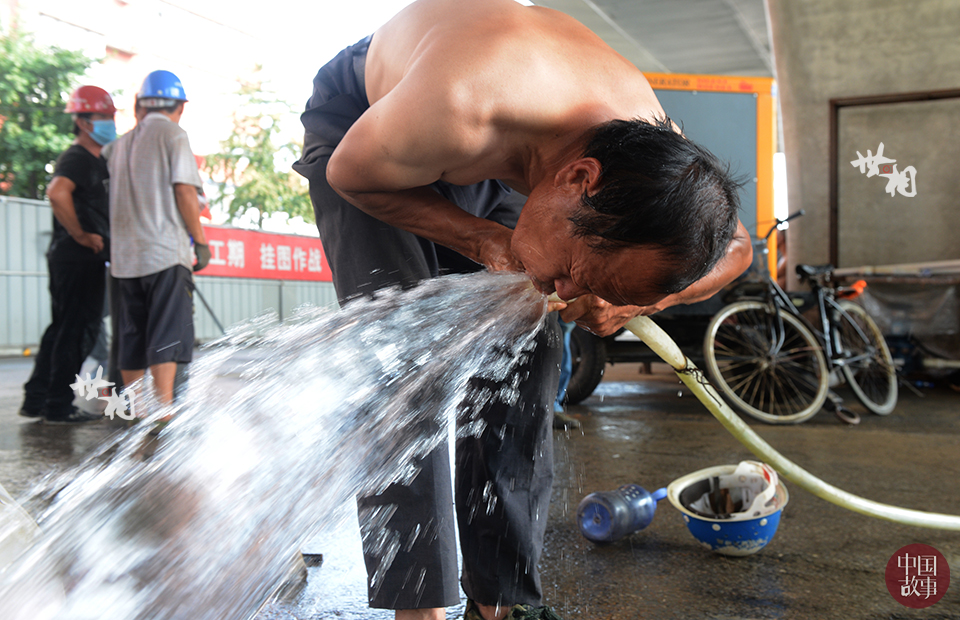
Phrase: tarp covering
(924,309)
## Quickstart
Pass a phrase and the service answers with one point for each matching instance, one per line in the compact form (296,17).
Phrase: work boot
(30,413)
(72,416)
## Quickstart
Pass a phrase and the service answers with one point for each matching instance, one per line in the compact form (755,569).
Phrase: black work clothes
(76,299)
(77,285)
(90,201)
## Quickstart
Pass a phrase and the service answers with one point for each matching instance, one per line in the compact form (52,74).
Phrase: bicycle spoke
(749,377)
(767,362)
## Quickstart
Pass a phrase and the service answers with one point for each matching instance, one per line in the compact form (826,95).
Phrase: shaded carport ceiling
(722,37)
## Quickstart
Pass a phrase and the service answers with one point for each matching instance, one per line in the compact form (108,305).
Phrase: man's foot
(30,413)
(159,425)
(294,582)
(562,421)
(517,612)
(72,417)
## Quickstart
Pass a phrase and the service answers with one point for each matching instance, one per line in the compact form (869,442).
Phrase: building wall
(25,299)
(828,50)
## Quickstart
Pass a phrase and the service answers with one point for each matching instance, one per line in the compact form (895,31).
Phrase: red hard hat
(90,100)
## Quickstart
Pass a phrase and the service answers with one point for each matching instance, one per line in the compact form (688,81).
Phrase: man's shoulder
(120,143)
(74,158)
(157,121)
(75,152)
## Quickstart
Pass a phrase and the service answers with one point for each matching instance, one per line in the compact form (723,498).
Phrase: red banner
(239,253)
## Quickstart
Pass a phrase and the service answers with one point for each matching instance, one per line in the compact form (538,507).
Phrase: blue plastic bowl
(725,536)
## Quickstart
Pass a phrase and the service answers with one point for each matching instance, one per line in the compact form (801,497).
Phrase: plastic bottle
(608,516)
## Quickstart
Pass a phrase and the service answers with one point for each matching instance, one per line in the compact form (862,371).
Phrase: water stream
(280,425)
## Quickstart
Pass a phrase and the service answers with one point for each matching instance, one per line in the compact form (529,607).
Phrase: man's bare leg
(163,379)
(129,376)
(437,613)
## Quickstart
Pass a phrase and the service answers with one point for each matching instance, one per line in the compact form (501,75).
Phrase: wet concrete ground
(824,562)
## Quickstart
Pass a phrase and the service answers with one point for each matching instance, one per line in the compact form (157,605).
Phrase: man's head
(642,214)
(163,92)
(93,112)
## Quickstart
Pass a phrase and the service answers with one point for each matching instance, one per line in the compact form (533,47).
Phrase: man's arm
(603,318)
(60,193)
(188,204)
(403,143)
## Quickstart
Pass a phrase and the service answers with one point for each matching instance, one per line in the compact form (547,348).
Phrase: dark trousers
(76,295)
(512,460)
(510,465)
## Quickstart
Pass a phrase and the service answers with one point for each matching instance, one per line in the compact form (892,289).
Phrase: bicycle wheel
(870,373)
(770,365)
(589,354)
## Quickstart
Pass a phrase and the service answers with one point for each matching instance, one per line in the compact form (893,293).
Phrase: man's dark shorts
(156,319)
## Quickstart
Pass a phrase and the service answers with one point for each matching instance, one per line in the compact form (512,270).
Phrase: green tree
(33,128)
(251,171)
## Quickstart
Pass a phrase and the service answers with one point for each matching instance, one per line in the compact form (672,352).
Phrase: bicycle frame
(827,308)
(825,298)
(789,355)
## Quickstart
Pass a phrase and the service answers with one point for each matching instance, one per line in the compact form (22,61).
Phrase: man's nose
(568,291)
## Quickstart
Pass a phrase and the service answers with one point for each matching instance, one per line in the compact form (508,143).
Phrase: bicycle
(768,360)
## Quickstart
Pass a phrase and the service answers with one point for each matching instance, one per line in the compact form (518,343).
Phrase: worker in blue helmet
(160,90)
(155,211)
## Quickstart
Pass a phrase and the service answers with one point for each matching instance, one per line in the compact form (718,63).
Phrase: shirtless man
(412,138)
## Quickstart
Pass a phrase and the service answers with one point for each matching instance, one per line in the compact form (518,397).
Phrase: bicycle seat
(812,271)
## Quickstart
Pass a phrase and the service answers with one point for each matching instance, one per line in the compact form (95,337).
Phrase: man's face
(87,123)
(558,262)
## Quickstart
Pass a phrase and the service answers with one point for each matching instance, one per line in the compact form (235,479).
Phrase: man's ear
(581,174)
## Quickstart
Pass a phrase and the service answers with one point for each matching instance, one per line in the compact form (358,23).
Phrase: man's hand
(90,240)
(599,316)
(495,252)
(203,255)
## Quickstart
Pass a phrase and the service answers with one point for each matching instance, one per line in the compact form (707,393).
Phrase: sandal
(519,612)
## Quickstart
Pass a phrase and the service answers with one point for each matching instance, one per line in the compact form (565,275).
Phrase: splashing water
(280,425)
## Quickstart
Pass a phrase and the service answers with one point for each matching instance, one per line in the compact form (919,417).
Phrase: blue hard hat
(162,85)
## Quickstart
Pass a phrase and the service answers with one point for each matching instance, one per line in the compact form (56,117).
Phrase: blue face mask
(104,132)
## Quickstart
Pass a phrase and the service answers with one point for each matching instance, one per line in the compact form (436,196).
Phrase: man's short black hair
(83,115)
(659,189)
(170,109)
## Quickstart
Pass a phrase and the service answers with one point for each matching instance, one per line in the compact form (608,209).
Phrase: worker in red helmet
(76,260)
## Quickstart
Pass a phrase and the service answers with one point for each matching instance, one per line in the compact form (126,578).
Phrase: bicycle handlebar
(778,221)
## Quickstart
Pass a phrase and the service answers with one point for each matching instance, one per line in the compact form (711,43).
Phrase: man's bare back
(465,91)
(504,85)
